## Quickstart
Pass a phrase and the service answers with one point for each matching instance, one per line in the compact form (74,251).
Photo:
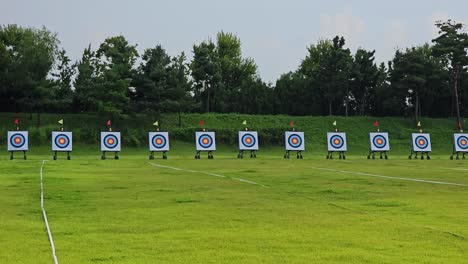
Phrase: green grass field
(300,211)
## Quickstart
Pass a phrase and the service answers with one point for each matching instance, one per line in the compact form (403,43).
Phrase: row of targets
(205,141)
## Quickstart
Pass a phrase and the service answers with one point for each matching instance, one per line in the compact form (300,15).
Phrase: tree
(86,82)
(63,83)
(364,77)
(452,45)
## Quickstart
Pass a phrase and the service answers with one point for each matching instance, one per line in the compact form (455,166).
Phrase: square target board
(294,141)
(18,140)
(379,141)
(62,141)
(336,141)
(205,141)
(248,140)
(421,142)
(158,141)
(110,141)
(460,141)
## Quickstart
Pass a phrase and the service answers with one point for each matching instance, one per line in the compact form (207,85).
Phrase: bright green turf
(129,211)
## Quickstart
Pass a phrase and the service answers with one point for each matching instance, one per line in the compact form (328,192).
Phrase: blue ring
(333,143)
(299,140)
(200,141)
(245,143)
(116,141)
(160,146)
(383,145)
(426,142)
(459,144)
(23,140)
(62,146)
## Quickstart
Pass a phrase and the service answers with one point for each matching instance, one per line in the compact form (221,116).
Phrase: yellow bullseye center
(248,140)
(463,142)
(62,141)
(158,141)
(205,141)
(421,142)
(110,141)
(379,141)
(294,141)
(17,140)
(336,141)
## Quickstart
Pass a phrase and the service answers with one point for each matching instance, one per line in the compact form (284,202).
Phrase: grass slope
(130,211)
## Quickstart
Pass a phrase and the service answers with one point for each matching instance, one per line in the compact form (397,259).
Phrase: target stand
(460,146)
(379,143)
(205,142)
(158,142)
(294,141)
(248,141)
(421,144)
(18,141)
(336,142)
(62,142)
(110,142)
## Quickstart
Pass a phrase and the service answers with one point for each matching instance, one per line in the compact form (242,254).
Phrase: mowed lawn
(301,211)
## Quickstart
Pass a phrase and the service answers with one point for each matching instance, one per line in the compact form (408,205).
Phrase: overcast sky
(274,33)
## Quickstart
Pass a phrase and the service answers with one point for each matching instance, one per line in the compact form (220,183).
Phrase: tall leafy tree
(364,78)
(86,82)
(63,82)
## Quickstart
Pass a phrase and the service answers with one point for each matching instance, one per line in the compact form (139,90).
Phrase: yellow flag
(244,123)
(156,123)
(60,121)
(419,124)
(334,123)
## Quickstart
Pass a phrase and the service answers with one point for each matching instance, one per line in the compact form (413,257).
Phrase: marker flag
(419,124)
(156,123)
(291,123)
(334,123)
(201,122)
(109,123)
(60,121)
(16,121)
(244,123)
(376,123)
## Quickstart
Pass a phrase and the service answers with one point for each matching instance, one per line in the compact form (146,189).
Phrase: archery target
(460,142)
(248,140)
(421,142)
(158,141)
(62,141)
(379,141)
(110,141)
(336,141)
(18,140)
(205,141)
(294,140)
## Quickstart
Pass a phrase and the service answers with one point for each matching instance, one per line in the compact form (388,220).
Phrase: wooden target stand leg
(56,154)
(382,154)
(164,155)
(341,154)
(286,155)
(253,154)
(12,156)
(240,155)
(116,155)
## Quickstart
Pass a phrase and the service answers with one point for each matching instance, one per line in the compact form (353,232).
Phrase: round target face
(462,142)
(379,141)
(111,141)
(336,141)
(159,141)
(62,141)
(295,141)
(17,140)
(248,140)
(421,142)
(205,141)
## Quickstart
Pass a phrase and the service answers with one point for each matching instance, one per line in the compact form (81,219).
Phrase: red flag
(16,121)
(291,123)
(201,122)
(109,123)
(376,123)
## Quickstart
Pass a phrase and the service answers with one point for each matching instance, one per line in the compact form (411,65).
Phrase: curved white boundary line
(49,233)
(207,173)
(391,177)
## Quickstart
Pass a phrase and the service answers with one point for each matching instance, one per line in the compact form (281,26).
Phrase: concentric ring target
(17,140)
(159,141)
(336,141)
(421,142)
(462,142)
(205,141)
(62,141)
(111,141)
(379,141)
(295,141)
(248,140)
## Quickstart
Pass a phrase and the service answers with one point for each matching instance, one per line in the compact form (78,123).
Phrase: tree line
(36,75)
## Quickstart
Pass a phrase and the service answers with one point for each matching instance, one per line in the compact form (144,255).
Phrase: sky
(274,33)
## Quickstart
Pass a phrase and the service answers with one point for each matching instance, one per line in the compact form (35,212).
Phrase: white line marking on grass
(49,233)
(391,177)
(208,173)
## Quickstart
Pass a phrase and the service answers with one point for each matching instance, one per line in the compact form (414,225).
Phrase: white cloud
(343,24)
